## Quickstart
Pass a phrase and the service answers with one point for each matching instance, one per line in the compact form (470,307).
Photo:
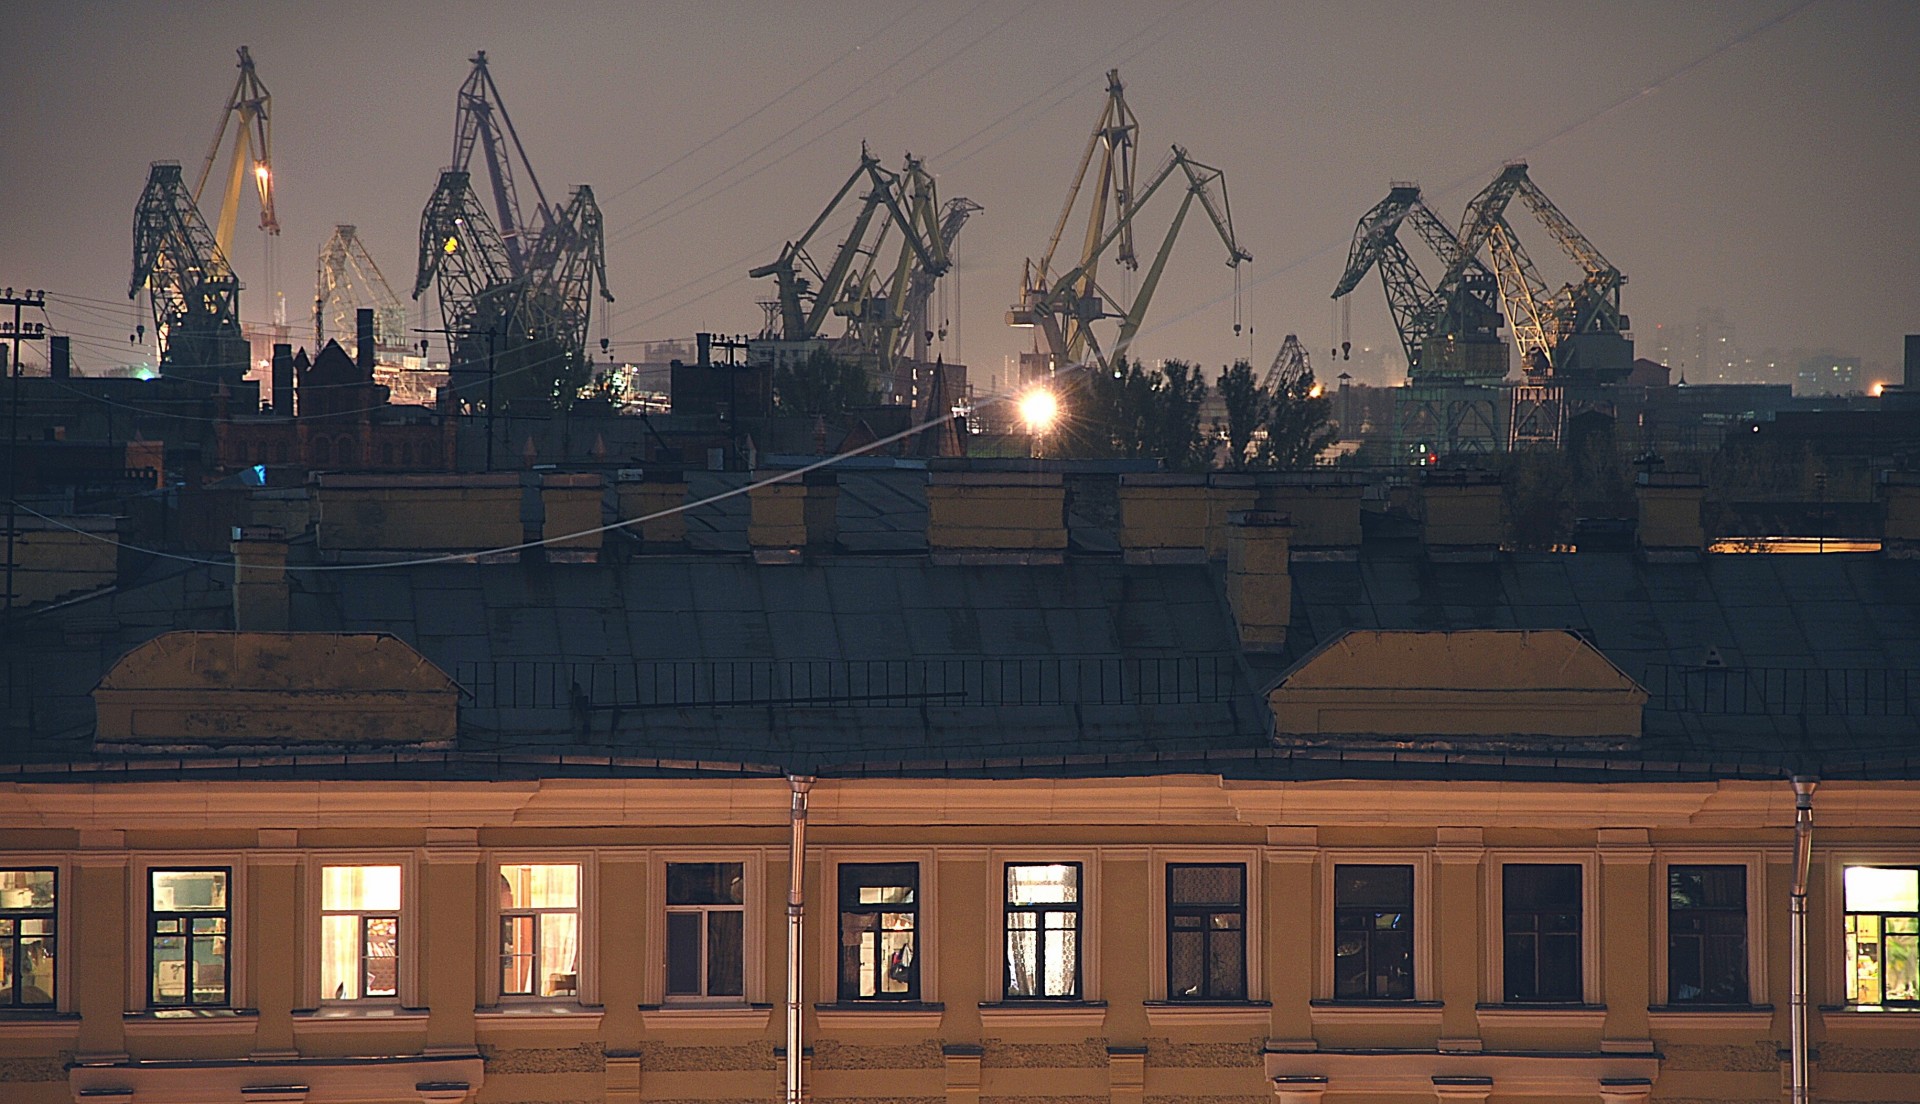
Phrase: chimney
(60,356)
(260,592)
(1259,589)
(640,492)
(1912,377)
(792,514)
(282,393)
(1228,493)
(1669,529)
(1462,516)
(996,516)
(363,331)
(1163,517)
(1324,506)
(1900,499)
(533,517)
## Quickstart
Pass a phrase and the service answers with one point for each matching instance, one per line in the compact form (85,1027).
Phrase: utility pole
(17,332)
(500,332)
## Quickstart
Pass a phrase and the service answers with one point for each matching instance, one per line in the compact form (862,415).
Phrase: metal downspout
(796,909)
(1803,788)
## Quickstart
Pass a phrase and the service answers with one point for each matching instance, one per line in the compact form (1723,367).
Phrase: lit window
(1207,931)
(1883,935)
(359,932)
(1707,935)
(27,915)
(879,929)
(705,926)
(1542,932)
(539,930)
(189,923)
(1043,931)
(1372,932)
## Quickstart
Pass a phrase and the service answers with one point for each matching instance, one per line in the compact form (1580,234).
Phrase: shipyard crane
(516,287)
(873,301)
(1289,364)
(249,113)
(346,280)
(194,293)
(918,330)
(1450,328)
(1065,306)
(1575,330)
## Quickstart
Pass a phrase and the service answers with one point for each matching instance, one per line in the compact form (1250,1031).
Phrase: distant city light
(1038,409)
(1315,393)
(1878,389)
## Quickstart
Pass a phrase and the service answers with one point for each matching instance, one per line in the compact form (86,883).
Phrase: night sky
(1759,158)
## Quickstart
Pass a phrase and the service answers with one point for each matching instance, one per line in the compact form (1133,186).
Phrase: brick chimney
(1259,588)
(793,514)
(640,492)
(1462,522)
(282,393)
(1669,530)
(261,596)
(59,356)
(363,348)
(1014,517)
(1324,506)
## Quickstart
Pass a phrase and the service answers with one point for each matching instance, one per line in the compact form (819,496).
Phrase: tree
(1130,412)
(823,384)
(1296,422)
(1173,427)
(1246,409)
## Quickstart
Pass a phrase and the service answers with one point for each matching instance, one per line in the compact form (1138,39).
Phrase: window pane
(516,954)
(339,957)
(683,954)
(704,884)
(169,970)
(1063,963)
(1186,963)
(360,888)
(878,883)
(540,886)
(1379,887)
(1703,887)
(189,890)
(902,964)
(1206,885)
(26,890)
(383,957)
(726,970)
(1054,883)
(1023,958)
(1903,967)
(1227,975)
(210,970)
(1882,889)
(559,954)
(1542,887)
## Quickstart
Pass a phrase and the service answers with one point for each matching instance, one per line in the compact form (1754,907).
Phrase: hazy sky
(1758,157)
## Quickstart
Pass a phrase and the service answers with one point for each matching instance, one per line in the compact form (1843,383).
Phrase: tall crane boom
(194,293)
(345,280)
(917,331)
(249,113)
(482,123)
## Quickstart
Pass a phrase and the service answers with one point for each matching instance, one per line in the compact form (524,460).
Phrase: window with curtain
(706,919)
(879,926)
(1883,935)
(1707,935)
(539,930)
(28,913)
(189,922)
(1043,931)
(359,932)
(1206,931)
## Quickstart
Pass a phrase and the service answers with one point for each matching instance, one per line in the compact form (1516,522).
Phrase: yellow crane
(248,112)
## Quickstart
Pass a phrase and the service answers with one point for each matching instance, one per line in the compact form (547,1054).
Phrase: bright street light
(1038,408)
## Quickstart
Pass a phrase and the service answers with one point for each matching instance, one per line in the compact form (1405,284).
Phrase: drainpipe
(1803,787)
(796,908)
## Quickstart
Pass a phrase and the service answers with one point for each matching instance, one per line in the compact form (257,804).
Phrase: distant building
(1828,374)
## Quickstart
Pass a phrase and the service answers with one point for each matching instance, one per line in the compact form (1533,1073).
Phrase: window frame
(1078,907)
(1158,859)
(231,933)
(1495,925)
(753,957)
(1247,936)
(57,915)
(1755,862)
(926,945)
(586,987)
(841,909)
(994,973)
(1423,924)
(407,974)
(1838,913)
(705,913)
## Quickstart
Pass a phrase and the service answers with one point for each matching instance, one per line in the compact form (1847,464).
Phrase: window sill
(162,1023)
(1571,1014)
(745,1017)
(39,1024)
(336,1019)
(1016,1014)
(1851,1017)
(1407,1013)
(1710,1017)
(538,1017)
(1165,1013)
(857,1015)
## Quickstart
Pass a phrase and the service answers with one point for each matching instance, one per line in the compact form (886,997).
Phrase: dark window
(879,925)
(1373,932)
(1707,935)
(1883,935)
(705,918)
(1207,931)
(1043,930)
(189,918)
(27,917)
(1542,905)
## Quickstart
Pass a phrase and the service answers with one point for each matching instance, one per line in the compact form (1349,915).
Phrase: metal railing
(1783,691)
(670,684)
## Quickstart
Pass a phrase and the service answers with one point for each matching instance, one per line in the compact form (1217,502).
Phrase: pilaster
(1458,941)
(1626,923)
(451,960)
